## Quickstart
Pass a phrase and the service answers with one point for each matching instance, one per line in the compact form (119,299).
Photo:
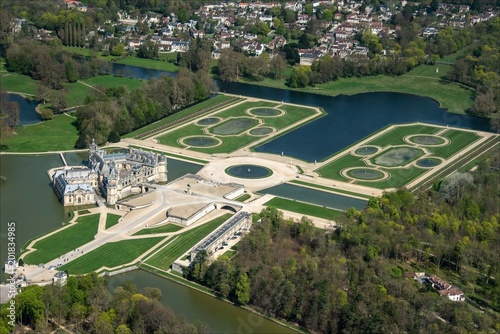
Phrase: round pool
(262,131)
(249,171)
(428,162)
(366,150)
(269,112)
(365,174)
(427,140)
(208,121)
(200,141)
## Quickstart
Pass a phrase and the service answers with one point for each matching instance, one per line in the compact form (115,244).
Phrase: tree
(118,50)
(243,289)
(300,77)
(277,67)
(149,49)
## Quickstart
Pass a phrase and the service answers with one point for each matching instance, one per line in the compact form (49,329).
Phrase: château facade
(113,175)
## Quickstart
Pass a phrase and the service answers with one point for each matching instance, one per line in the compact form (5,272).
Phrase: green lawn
(14,82)
(239,110)
(162,65)
(332,170)
(78,91)
(397,134)
(231,143)
(304,208)
(111,255)
(54,135)
(185,112)
(458,141)
(399,178)
(160,229)
(112,220)
(184,243)
(65,240)
(429,71)
(243,198)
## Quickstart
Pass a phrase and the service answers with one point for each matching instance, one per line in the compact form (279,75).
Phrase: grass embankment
(243,198)
(57,134)
(304,208)
(422,81)
(178,115)
(112,220)
(160,229)
(335,190)
(111,255)
(184,242)
(65,240)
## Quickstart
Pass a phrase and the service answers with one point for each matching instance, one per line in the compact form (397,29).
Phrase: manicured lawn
(239,110)
(332,170)
(160,229)
(149,63)
(304,208)
(111,255)
(236,139)
(185,112)
(399,178)
(458,141)
(172,138)
(54,135)
(184,243)
(318,186)
(396,135)
(112,220)
(65,240)
(429,71)
(229,254)
(243,198)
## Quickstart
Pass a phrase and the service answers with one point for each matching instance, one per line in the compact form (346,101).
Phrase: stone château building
(114,175)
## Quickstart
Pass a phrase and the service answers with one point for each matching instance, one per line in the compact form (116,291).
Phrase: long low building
(235,224)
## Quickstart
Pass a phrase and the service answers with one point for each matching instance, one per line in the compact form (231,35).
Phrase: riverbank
(421,81)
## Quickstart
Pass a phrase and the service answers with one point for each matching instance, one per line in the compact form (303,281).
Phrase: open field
(231,130)
(54,135)
(14,82)
(184,242)
(304,208)
(162,65)
(399,163)
(111,255)
(112,220)
(420,81)
(167,228)
(64,241)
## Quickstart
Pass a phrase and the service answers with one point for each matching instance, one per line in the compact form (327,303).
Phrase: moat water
(27,112)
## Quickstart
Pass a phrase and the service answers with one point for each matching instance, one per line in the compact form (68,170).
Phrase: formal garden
(397,155)
(237,126)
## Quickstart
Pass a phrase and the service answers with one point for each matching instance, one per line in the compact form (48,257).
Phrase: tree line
(352,280)
(109,113)
(85,305)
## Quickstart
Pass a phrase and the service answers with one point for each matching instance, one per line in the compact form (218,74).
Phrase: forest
(352,280)
(85,305)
